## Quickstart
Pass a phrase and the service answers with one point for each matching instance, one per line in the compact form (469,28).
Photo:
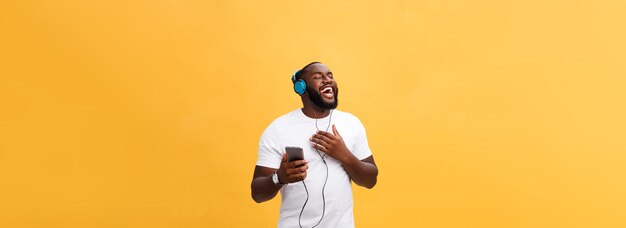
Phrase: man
(316,191)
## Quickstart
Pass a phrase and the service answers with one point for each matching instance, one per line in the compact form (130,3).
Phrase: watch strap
(275,178)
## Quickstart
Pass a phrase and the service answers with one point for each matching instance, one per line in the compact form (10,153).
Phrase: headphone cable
(330,118)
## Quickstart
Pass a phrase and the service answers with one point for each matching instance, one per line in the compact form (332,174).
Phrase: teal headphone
(299,86)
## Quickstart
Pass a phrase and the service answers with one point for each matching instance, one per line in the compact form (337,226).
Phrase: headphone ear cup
(299,87)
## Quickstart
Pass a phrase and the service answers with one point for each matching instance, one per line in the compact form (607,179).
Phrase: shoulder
(282,120)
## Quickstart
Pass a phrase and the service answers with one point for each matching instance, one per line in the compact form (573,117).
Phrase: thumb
(335,131)
(284,158)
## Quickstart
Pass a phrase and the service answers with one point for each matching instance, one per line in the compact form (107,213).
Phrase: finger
(298,176)
(336,132)
(327,134)
(303,168)
(320,148)
(320,142)
(292,171)
(284,158)
(298,163)
(323,137)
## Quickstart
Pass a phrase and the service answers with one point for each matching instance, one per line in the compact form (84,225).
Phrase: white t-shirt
(295,129)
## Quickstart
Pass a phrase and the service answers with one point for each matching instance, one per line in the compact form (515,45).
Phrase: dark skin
(362,172)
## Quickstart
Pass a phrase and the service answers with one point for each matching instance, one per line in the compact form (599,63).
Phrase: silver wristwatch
(275,178)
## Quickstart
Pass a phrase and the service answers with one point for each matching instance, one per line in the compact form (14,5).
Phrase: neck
(312,111)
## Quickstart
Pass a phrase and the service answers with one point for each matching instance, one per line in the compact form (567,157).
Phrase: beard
(316,98)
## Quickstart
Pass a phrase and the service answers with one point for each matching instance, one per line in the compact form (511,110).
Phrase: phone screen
(294,153)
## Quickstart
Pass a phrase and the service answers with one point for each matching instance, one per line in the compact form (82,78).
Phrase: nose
(326,79)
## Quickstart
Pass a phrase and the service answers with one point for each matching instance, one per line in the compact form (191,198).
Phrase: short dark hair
(299,73)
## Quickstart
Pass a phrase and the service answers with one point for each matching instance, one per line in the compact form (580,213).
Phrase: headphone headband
(293,76)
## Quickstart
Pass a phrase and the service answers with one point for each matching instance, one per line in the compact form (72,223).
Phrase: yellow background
(148,113)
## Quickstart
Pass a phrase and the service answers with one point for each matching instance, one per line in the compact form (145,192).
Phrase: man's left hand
(331,144)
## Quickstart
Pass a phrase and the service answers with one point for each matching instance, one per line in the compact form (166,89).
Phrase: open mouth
(328,92)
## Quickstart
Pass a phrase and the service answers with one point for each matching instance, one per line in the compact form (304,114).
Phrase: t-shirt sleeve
(269,154)
(361,147)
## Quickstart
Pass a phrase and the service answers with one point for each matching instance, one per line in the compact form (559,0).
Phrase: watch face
(275,178)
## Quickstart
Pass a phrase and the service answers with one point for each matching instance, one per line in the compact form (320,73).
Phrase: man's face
(321,86)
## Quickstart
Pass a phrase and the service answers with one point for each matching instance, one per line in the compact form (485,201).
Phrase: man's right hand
(294,171)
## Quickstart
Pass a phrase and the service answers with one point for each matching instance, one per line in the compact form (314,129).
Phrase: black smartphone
(294,153)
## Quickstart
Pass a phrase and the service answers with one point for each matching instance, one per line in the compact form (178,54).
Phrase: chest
(299,134)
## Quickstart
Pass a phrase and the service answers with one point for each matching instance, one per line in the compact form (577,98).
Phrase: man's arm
(362,172)
(264,189)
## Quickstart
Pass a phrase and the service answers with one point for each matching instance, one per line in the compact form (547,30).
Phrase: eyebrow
(319,72)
